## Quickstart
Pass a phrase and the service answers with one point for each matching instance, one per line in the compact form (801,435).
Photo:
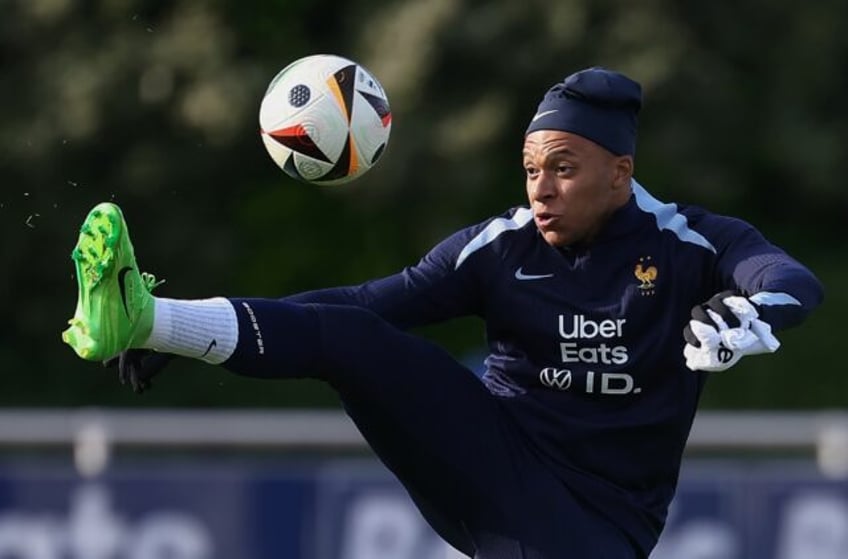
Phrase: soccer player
(604,309)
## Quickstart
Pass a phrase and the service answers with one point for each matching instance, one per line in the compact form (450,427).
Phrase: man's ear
(623,171)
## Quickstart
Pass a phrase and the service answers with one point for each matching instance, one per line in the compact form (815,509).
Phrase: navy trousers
(460,456)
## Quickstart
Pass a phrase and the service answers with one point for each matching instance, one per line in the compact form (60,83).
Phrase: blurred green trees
(154,104)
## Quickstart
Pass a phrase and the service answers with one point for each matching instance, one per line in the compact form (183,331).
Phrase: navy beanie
(596,103)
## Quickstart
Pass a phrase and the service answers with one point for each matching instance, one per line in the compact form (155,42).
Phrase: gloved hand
(723,330)
(137,366)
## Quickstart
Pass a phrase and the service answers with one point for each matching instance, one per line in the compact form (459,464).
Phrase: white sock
(205,329)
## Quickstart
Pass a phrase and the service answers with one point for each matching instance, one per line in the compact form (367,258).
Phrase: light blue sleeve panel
(448,282)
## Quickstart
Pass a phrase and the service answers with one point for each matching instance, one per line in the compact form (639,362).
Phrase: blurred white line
(333,430)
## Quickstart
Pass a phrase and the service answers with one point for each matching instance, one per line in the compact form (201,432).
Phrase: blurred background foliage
(153,104)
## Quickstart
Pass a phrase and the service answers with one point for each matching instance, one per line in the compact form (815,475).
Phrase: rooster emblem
(647,274)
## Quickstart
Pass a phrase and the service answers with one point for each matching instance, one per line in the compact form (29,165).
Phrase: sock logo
(260,343)
(122,284)
(212,344)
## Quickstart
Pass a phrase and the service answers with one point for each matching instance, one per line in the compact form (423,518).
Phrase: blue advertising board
(353,509)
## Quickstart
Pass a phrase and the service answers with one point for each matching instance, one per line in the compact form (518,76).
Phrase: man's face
(573,185)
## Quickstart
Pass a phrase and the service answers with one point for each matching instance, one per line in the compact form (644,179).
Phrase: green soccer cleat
(114,306)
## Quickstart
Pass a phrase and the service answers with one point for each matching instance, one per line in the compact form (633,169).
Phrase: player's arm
(758,289)
(784,290)
(433,290)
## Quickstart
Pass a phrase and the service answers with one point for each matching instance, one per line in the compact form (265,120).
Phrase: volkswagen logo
(552,377)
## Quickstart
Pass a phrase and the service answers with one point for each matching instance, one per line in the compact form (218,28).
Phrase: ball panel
(290,169)
(345,168)
(380,106)
(341,84)
(368,129)
(297,139)
(278,152)
(377,153)
(310,169)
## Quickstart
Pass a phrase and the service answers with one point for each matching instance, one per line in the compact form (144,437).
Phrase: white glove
(723,330)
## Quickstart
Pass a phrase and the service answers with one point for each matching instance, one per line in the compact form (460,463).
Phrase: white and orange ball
(325,119)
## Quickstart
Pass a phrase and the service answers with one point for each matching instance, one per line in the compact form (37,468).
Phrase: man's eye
(564,169)
(531,171)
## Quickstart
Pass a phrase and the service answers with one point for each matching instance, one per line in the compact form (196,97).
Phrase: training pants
(462,458)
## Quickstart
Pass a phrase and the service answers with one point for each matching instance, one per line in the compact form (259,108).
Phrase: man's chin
(557,239)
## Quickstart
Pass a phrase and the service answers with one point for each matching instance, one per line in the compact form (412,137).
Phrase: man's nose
(544,187)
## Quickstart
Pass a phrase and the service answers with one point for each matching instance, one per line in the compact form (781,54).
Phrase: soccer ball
(325,119)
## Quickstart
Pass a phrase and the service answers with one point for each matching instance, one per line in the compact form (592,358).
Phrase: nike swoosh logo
(122,284)
(537,116)
(212,344)
(520,275)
